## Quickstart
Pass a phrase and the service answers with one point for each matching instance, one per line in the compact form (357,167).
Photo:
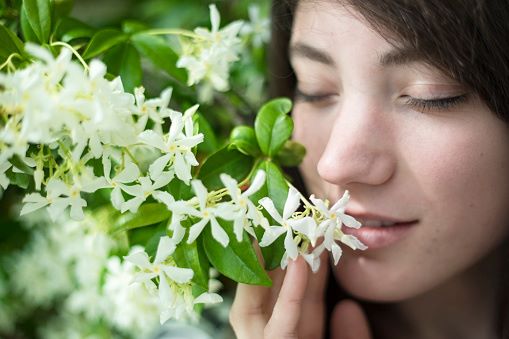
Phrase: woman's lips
(381,236)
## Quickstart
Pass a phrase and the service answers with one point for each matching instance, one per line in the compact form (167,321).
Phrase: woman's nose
(360,148)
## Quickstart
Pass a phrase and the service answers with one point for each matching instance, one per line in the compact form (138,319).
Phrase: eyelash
(419,104)
(438,104)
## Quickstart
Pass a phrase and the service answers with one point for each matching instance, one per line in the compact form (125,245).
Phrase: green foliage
(238,260)
(229,161)
(9,44)
(37,14)
(273,126)
(148,214)
(124,60)
(243,138)
(102,41)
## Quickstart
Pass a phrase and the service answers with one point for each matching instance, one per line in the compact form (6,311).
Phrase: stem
(173,31)
(8,62)
(75,52)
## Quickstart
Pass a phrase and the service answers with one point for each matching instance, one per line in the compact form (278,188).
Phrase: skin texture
(444,167)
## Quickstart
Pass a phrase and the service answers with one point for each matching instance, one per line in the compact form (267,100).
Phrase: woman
(403,103)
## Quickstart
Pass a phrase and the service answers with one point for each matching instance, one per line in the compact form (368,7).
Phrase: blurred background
(65,281)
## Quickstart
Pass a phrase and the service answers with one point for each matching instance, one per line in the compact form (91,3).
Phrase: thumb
(349,321)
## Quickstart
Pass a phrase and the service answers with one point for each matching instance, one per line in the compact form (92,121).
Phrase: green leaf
(159,52)
(132,26)
(193,256)
(69,29)
(291,154)
(38,15)
(209,144)
(9,43)
(147,214)
(26,29)
(18,179)
(148,237)
(275,188)
(102,41)
(238,261)
(272,125)
(17,162)
(124,60)
(231,162)
(62,8)
(243,138)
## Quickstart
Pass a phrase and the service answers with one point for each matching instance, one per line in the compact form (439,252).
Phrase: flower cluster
(209,54)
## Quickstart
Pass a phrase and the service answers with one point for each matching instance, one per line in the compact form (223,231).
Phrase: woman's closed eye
(440,104)
(315,97)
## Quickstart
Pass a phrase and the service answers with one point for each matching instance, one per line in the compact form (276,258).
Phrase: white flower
(131,307)
(243,209)
(207,214)
(142,191)
(159,268)
(4,181)
(208,57)
(330,227)
(129,174)
(176,146)
(179,211)
(258,27)
(305,225)
(154,109)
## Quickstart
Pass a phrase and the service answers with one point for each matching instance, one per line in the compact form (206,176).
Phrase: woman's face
(444,168)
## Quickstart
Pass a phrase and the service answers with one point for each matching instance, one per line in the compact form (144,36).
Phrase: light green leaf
(124,60)
(26,29)
(38,15)
(238,261)
(272,125)
(102,41)
(148,214)
(231,162)
(243,138)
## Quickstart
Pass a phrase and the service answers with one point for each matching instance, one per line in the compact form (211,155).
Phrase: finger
(349,321)
(248,315)
(313,308)
(285,317)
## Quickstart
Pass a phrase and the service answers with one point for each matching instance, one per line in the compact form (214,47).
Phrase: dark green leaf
(231,162)
(26,29)
(38,15)
(102,41)
(291,154)
(69,29)
(147,214)
(9,43)
(21,165)
(272,125)
(209,144)
(148,237)
(159,52)
(193,256)
(62,8)
(238,261)
(18,179)
(124,60)
(243,138)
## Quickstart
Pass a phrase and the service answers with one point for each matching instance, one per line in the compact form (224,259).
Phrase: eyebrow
(394,57)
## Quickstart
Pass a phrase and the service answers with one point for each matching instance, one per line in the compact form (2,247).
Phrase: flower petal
(219,233)
(257,183)
(196,229)
(178,274)
(165,248)
(140,259)
(292,203)
(291,246)
(268,204)
(208,298)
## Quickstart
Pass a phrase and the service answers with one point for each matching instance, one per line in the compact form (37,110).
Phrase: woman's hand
(294,307)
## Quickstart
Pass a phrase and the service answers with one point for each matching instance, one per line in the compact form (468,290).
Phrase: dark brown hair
(468,40)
